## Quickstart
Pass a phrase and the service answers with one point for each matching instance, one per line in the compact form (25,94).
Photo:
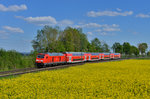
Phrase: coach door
(85,58)
(89,57)
(102,56)
(99,56)
(69,58)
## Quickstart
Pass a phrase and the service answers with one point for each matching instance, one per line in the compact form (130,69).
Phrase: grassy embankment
(10,60)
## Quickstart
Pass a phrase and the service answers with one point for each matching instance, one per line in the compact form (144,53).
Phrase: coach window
(53,59)
(59,58)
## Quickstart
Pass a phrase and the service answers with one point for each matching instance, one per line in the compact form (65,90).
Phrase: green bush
(13,60)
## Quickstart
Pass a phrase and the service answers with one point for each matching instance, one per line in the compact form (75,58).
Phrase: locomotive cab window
(40,56)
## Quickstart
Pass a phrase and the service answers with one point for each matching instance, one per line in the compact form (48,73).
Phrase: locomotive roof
(74,52)
(55,54)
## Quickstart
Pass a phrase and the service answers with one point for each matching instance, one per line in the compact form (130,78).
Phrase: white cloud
(7,30)
(2,32)
(106,30)
(13,29)
(88,25)
(101,29)
(90,33)
(108,13)
(65,23)
(103,33)
(98,30)
(111,29)
(115,25)
(118,9)
(143,15)
(13,8)
(107,26)
(96,25)
(46,20)
(91,25)
(106,34)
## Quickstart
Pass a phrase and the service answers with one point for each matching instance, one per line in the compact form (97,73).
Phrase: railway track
(31,70)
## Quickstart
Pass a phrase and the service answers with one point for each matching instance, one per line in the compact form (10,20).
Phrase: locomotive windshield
(40,56)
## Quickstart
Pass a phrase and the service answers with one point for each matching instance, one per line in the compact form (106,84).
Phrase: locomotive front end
(40,60)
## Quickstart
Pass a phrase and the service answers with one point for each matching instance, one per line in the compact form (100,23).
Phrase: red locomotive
(45,59)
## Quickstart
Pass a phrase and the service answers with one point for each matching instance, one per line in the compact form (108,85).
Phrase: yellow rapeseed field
(122,79)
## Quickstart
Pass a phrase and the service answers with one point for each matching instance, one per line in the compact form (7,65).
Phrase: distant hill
(25,53)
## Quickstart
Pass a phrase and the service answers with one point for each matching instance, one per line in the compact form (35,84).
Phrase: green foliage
(46,39)
(134,50)
(126,48)
(69,39)
(117,47)
(83,42)
(105,48)
(51,39)
(12,60)
(97,45)
(90,47)
(148,53)
(142,47)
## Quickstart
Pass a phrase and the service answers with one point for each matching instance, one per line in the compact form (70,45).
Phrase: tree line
(128,49)
(12,59)
(52,39)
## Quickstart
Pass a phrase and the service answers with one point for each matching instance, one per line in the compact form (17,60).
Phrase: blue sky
(109,20)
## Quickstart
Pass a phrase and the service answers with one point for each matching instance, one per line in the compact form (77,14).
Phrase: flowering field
(122,79)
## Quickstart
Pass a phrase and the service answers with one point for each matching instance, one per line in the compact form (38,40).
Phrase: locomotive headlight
(37,60)
(41,60)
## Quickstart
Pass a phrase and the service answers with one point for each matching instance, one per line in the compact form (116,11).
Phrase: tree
(90,47)
(105,47)
(117,47)
(134,50)
(46,38)
(83,41)
(148,53)
(126,48)
(68,39)
(60,47)
(142,48)
(97,45)
(51,39)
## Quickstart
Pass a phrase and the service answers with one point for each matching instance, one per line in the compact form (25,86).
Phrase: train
(51,59)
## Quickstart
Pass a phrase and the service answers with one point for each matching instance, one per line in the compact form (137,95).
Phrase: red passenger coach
(73,57)
(106,55)
(44,59)
(117,55)
(112,56)
(95,56)
(87,56)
